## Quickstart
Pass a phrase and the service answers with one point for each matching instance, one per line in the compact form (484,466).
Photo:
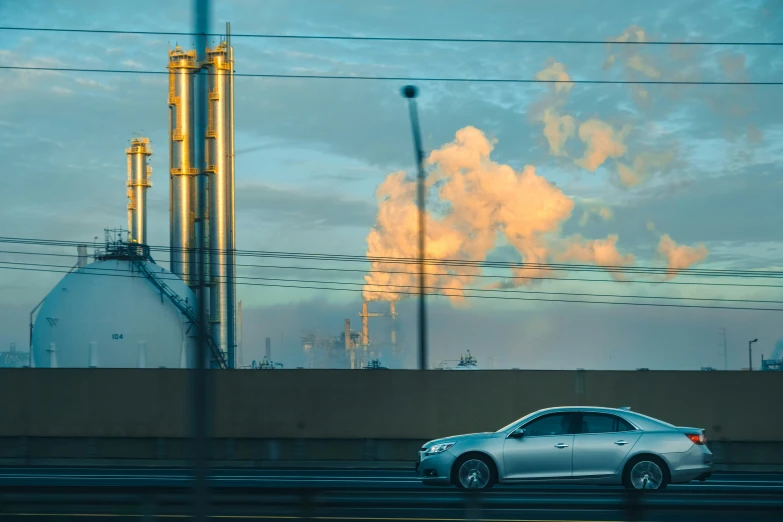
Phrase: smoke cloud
(603,212)
(643,166)
(637,66)
(679,257)
(479,203)
(558,127)
(556,71)
(602,142)
(599,252)
(557,130)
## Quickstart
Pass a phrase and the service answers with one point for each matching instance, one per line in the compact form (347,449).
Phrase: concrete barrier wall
(382,405)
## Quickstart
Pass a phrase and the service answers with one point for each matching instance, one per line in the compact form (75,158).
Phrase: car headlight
(438,448)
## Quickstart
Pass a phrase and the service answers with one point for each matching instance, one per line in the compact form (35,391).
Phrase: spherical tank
(108,315)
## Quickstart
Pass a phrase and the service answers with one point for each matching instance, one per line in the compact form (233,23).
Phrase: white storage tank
(107,314)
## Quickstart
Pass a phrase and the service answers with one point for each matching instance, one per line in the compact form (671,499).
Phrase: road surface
(94,494)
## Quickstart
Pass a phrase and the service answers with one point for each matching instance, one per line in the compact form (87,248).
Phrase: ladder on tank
(218,357)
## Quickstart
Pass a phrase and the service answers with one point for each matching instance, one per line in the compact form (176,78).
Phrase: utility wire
(505,298)
(407,272)
(440,262)
(371,287)
(387,38)
(400,78)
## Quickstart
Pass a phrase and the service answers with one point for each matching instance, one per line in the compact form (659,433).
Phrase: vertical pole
(750,356)
(725,352)
(410,92)
(200,398)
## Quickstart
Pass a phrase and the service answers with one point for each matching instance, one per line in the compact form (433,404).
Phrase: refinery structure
(131,312)
(353,349)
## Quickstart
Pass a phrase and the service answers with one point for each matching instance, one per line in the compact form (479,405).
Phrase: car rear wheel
(475,472)
(646,472)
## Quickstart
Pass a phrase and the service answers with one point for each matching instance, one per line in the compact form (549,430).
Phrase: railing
(399,504)
(217,355)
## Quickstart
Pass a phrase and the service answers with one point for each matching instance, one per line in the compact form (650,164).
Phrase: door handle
(561,445)
(621,442)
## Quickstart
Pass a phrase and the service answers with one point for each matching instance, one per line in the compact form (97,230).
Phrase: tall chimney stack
(219,148)
(138,182)
(183,169)
(268,350)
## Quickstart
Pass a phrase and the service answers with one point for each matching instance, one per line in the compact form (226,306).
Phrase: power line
(388,38)
(402,78)
(505,298)
(489,276)
(621,270)
(371,287)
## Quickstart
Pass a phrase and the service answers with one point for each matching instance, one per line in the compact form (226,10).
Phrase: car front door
(543,451)
(601,443)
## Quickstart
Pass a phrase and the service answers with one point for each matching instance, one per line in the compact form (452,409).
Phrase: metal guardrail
(311,503)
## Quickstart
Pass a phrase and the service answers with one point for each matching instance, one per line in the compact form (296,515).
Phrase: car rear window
(603,423)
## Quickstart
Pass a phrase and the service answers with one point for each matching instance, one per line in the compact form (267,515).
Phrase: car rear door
(601,443)
(544,452)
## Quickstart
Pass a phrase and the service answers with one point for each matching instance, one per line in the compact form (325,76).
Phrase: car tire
(646,472)
(474,471)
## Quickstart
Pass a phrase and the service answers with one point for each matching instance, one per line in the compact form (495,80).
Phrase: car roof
(586,408)
(627,413)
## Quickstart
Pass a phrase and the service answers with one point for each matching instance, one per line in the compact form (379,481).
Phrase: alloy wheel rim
(474,474)
(646,475)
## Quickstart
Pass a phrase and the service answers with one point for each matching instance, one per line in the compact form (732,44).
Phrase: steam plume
(482,201)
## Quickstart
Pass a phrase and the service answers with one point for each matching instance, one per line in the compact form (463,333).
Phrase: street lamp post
(750,354)
(410,92)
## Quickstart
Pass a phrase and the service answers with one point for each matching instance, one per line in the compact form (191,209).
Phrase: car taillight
(697,438)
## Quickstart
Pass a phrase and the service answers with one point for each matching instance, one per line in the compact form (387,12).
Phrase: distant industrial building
(13,358)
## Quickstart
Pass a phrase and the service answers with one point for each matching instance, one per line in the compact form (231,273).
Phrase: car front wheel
(646,473)
(475,472)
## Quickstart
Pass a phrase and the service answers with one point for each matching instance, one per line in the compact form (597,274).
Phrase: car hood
(457,438)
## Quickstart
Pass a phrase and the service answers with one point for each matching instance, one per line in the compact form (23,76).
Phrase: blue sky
(310,153)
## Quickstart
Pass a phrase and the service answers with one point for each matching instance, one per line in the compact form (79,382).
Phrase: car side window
(603,423)
(554,424)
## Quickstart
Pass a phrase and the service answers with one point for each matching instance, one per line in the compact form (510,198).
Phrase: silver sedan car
(572,444)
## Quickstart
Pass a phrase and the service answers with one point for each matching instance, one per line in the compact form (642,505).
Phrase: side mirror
(517,434)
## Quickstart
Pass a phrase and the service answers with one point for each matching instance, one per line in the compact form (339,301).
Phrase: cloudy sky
(598,174)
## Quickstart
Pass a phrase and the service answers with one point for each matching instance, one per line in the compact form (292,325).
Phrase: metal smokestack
(220,171)
(268,349)
(138,182)
(182,67)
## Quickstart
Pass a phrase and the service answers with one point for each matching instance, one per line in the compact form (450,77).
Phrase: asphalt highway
(269,494)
